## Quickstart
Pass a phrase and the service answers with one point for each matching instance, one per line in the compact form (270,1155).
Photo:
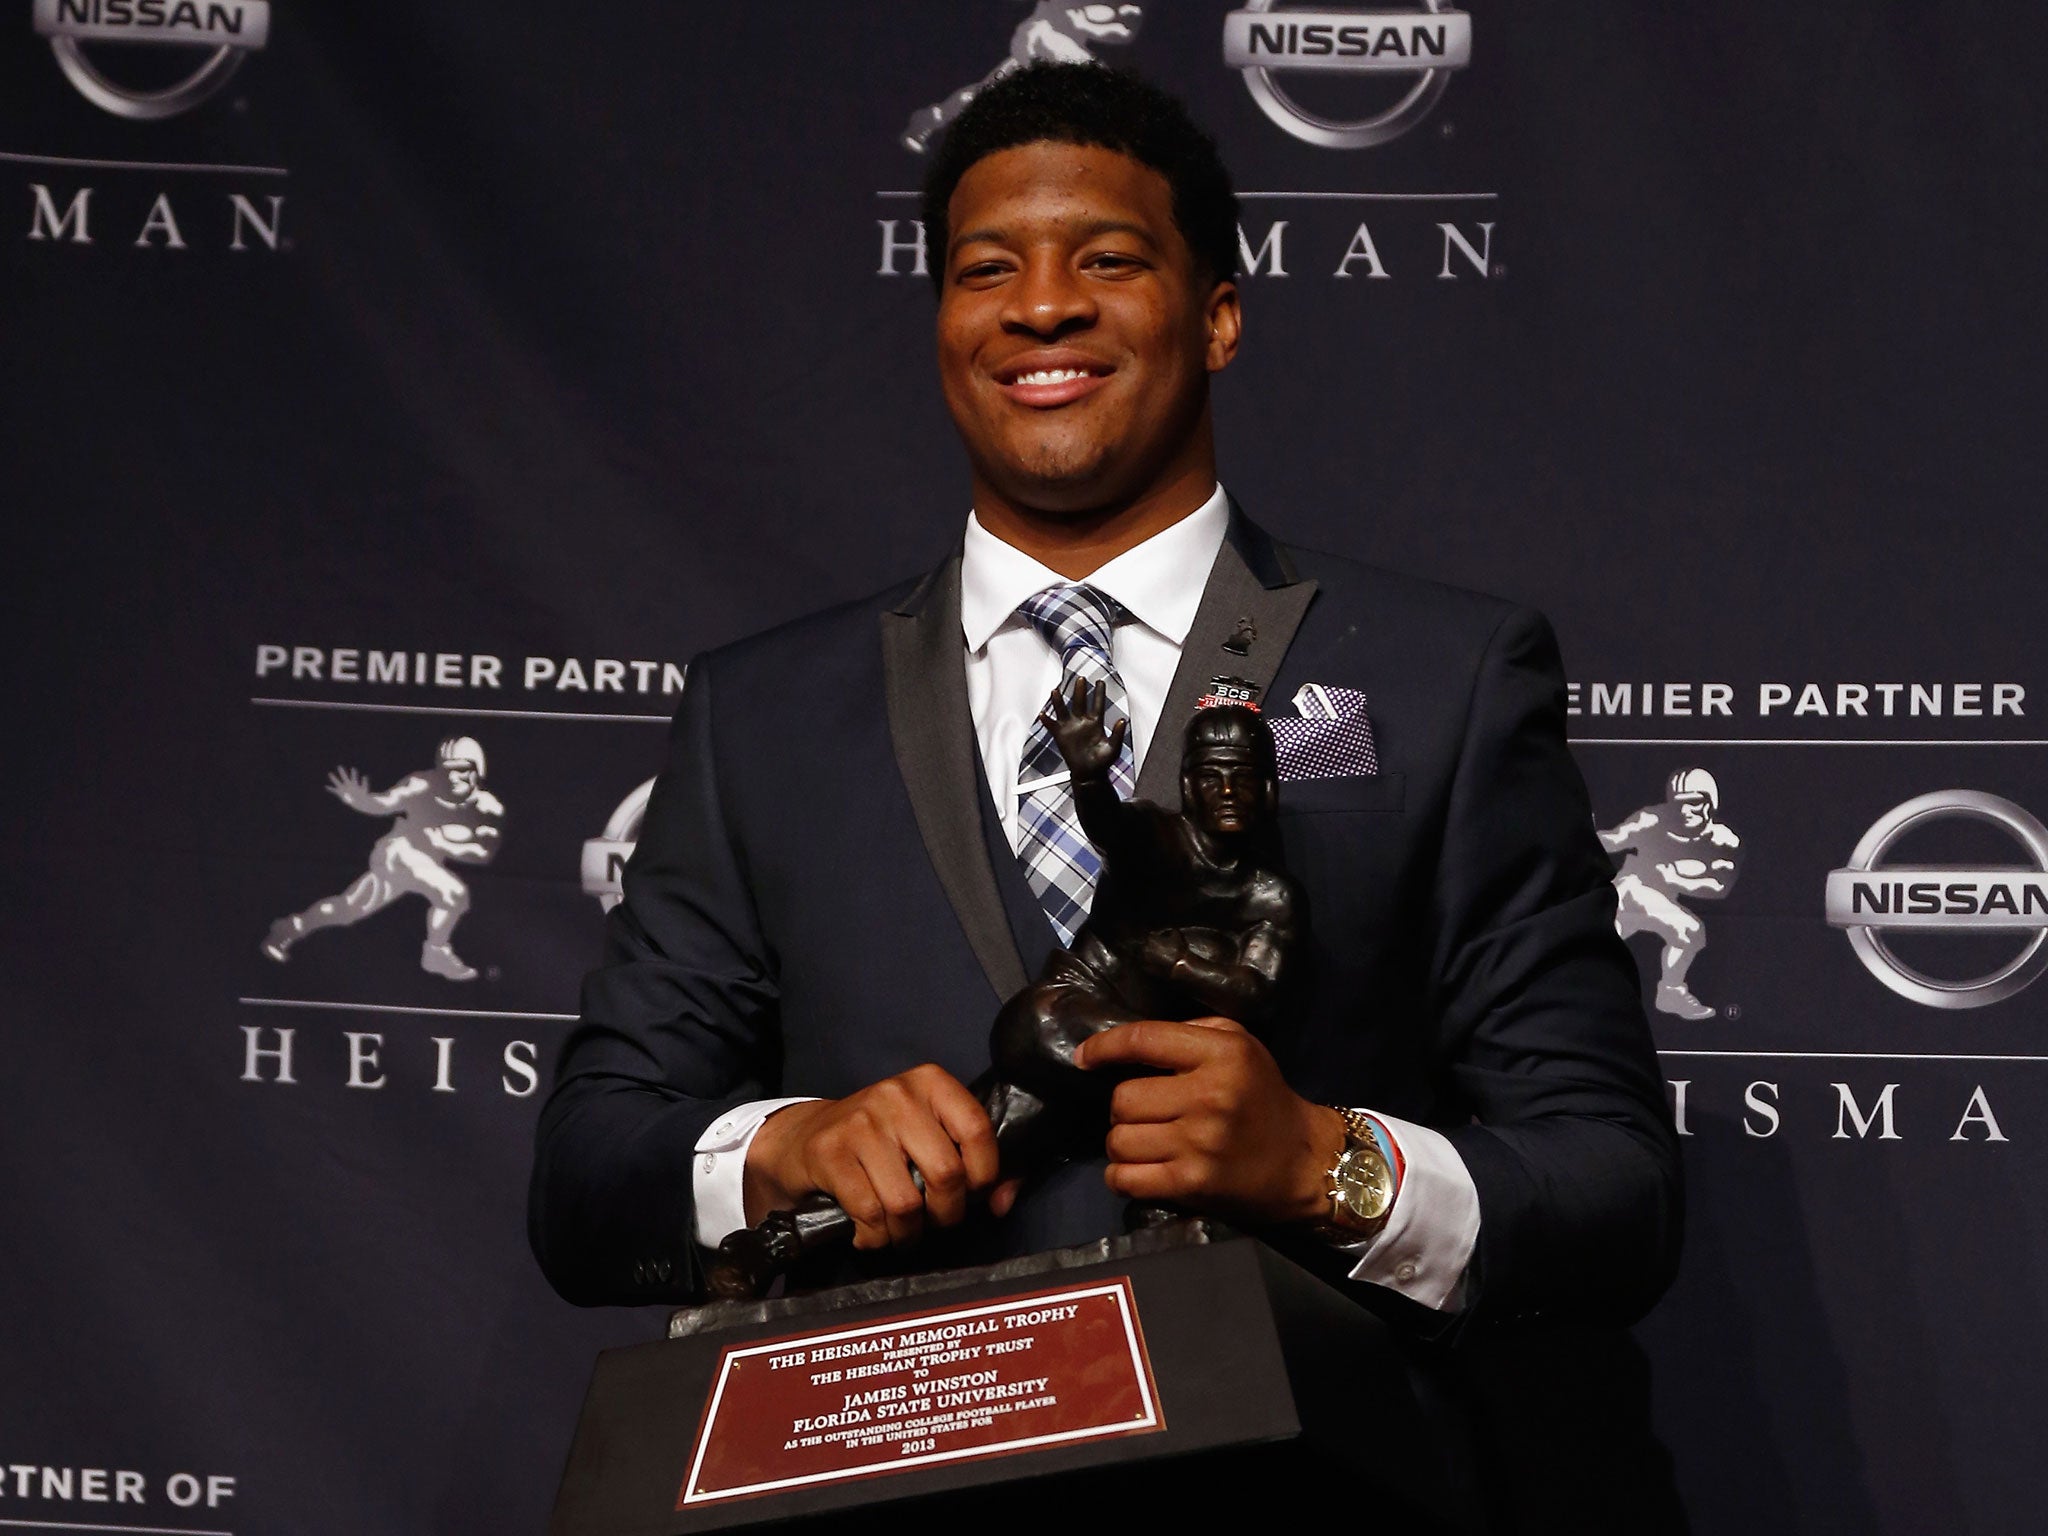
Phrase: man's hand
(1076,727)
(1222,1133)
(860,1151)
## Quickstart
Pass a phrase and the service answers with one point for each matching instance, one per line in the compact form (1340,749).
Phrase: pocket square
(1331,737)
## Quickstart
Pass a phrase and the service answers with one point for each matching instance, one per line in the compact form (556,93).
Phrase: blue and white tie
(1060,863)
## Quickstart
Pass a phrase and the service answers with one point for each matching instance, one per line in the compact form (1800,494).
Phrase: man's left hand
(1220,1133)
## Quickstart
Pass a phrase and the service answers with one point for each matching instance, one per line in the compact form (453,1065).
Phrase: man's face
(1075,336)
(461,777)
(1695,812)
(1225,787)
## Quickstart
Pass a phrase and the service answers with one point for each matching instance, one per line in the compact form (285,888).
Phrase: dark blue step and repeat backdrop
(397,396)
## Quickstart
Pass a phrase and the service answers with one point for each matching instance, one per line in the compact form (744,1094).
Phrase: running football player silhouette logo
(1675,852)
(1066,34)
(443,818)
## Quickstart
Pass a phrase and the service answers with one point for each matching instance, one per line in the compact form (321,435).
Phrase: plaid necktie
(1060,863)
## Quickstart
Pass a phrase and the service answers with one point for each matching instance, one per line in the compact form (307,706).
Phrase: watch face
(1365,1184)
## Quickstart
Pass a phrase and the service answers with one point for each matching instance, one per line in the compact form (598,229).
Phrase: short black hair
(1105,108)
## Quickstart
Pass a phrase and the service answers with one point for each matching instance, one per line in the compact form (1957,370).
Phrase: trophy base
(1166,1374)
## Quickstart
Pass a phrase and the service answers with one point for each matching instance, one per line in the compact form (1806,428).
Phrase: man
(444,816)
(1677,849)
(858,848)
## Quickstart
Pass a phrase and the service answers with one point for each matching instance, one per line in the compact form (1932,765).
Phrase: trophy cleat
(753,1258)
(743,1268)
(1677,999)
(440,960)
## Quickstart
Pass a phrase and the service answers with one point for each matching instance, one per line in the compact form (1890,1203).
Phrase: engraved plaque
(963,1383)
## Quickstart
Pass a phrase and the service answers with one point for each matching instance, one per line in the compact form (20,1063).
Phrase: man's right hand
(860,1151)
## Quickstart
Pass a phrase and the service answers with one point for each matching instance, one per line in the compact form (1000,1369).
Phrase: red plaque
(959,1384)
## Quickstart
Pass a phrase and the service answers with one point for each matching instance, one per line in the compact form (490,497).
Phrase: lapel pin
(1230,690)
(1240,643)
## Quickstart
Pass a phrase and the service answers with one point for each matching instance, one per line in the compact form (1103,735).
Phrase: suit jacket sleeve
(678,1026)
(1570,1148)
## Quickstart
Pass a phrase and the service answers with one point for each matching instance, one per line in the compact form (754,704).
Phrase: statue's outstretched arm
(1089,751)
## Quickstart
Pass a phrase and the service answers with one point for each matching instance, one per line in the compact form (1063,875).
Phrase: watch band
(1362,1133)
(1363,1125)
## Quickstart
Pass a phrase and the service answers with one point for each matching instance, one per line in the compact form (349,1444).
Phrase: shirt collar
(1159,581)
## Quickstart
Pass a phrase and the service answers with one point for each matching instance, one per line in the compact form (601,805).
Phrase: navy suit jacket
(820,898)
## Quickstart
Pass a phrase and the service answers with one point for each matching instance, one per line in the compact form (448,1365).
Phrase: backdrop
(380,374)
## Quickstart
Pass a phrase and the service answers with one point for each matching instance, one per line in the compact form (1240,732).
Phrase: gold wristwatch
(1362,1183)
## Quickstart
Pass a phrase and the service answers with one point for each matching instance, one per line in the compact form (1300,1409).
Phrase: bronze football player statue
(1194,915)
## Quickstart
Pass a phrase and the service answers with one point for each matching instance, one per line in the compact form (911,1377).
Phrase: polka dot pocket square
(1332,738)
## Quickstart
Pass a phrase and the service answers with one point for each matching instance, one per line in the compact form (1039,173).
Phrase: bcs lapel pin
(1229,690)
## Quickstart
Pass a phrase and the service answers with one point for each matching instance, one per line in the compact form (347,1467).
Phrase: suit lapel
(1253,600)
(925,676)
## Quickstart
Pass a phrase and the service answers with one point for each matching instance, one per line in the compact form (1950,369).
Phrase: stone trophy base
(1183,1372)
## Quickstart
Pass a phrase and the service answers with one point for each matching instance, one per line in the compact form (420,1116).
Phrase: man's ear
(1225,316)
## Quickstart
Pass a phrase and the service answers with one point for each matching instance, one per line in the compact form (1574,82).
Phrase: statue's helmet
(463,749)
(1231,725)
(1690,783)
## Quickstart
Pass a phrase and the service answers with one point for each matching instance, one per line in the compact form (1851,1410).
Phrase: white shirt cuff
(1424,1248)
(718,1172)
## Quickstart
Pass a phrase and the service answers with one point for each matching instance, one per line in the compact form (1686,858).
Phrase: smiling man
(865,839)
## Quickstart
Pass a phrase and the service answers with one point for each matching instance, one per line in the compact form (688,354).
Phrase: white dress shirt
(1423,1250)
(1011,671)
